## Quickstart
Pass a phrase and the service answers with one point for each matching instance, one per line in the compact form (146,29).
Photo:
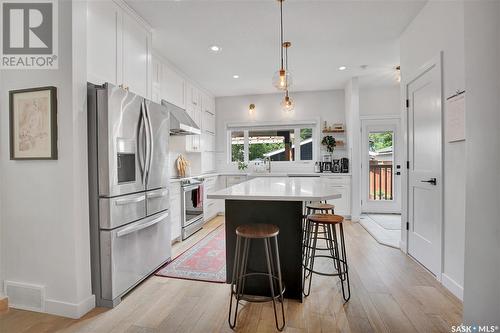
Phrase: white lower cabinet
(175,210)
(342,185)
(210,206)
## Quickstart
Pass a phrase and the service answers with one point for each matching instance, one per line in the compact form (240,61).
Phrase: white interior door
(425,167)
(381,170)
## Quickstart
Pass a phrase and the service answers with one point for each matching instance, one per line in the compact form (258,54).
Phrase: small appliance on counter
(344,165)
(336,166)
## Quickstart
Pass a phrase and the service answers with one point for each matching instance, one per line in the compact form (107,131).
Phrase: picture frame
(33,123)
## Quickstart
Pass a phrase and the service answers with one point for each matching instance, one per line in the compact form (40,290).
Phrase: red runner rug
(204,261)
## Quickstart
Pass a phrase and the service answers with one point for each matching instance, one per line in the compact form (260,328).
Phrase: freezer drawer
(115,212)
(157,201)
(131,253)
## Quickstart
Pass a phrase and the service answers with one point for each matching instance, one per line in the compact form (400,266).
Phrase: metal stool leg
(267,246)
(310,265)
(234,283)
(346,268)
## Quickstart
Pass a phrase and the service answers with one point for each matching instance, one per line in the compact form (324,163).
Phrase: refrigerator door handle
(140,143)
(129,201)
(151,141)
(141,226)
(157,195)
(148,142)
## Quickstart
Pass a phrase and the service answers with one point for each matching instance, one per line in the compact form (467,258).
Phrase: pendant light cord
(281,26)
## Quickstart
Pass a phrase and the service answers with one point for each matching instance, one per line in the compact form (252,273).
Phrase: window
(274,142)
(237,146)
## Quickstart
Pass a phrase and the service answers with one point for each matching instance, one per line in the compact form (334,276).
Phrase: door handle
(432,181)
(122,202)
(149,160)
(135,228)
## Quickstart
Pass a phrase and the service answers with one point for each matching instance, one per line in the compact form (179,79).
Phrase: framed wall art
(33,124)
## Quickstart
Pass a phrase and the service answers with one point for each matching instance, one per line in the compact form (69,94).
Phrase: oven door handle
(190,188)
(141,226)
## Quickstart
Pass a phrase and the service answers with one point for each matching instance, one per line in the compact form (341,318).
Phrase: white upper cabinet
(136,56)
(156,79)
(118,48)
(173,87)
(104,38)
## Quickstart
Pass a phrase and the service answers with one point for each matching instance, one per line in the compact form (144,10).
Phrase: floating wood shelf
(335,132)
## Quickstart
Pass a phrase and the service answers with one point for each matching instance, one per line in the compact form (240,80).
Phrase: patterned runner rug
(204,261)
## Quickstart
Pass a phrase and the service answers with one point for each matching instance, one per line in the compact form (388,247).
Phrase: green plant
(242,165)
(329,142)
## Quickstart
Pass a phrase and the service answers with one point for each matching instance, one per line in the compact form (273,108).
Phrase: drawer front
(131,253)
(210,182)
(210,210)
(336,179)
(175,189)
(157,201)
(115,212)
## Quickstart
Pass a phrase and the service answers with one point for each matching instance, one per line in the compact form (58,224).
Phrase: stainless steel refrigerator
(128,139)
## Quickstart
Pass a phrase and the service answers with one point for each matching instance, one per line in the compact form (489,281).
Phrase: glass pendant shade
(288,104)
(282,80)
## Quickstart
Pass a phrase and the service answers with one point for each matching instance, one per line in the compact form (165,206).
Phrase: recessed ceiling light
(236,76)
(342,68)
(215,48)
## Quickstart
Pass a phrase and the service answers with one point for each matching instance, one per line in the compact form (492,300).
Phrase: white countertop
(279,189)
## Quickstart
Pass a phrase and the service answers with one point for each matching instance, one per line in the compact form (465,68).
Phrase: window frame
(295,125)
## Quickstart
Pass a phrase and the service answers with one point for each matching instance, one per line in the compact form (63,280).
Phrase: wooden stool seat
(326,218)
(256,231)
(320,206)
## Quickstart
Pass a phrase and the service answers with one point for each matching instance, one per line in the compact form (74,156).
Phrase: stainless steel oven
(191,206)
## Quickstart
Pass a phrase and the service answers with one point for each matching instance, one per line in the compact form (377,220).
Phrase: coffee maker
(344,165)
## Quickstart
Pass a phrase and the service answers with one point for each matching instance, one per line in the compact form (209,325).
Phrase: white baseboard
(70,310)
(354,218)
(452,286)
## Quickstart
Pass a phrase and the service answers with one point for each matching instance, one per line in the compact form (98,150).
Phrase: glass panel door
(381,165)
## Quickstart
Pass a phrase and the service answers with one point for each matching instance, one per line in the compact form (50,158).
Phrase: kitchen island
(278,201)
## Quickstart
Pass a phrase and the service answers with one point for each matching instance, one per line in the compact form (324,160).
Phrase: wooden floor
(390,293)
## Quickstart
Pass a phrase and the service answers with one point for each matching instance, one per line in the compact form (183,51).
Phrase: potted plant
(242,166)
(329,142)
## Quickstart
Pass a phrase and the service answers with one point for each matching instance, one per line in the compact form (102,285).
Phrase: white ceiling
(324,36)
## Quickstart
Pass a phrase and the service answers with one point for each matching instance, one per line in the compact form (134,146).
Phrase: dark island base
(287,215)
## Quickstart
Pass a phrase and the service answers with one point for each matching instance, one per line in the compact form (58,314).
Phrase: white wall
(482,237)
(380,101)
(315,105)
(354,137)
(44,216)
(439,27)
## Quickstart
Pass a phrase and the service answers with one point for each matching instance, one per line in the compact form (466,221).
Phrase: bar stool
(329,222)
(321,207)
(244,234)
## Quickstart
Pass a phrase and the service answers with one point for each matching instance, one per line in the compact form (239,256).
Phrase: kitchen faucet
(267,160)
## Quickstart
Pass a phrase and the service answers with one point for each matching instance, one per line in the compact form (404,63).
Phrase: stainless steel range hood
(180,121)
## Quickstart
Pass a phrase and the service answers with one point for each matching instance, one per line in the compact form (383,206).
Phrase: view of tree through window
(272,144)
(237,146)
(380,140)
(275,144)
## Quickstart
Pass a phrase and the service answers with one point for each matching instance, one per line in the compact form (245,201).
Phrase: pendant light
(282,79)
(288,104)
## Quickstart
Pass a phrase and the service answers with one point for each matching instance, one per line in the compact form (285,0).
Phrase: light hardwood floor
(390,293)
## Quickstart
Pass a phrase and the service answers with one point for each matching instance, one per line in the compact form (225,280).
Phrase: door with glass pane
(381,185)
